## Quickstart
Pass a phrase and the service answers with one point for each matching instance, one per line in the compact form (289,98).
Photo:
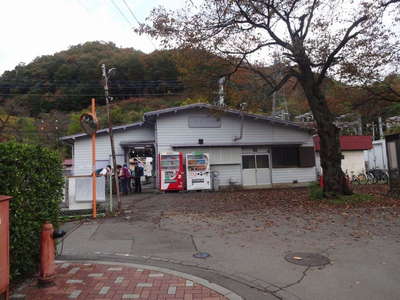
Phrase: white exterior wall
(288,175)
(83,147)
(228,174)
(377,156)
(225,160)
(353,162)
(174,129)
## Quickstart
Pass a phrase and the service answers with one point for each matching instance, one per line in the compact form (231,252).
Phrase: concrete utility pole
(110,131)
(381,135)
(282,113)
(221,92)
(360,129)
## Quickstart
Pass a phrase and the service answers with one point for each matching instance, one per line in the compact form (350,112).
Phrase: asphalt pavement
(245,258)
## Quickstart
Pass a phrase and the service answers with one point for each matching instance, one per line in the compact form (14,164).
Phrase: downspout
(236,138)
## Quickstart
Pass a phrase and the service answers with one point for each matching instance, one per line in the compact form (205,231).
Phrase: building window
(255,161)
(262,161)
(285,157)
(248,162)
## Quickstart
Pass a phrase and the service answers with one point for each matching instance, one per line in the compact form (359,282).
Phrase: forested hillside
(43,100)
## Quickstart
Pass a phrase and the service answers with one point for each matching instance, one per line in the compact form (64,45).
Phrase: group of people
(125,175)
(129,177)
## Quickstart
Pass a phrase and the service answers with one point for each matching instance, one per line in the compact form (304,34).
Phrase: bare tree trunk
(330,153)
(334,179)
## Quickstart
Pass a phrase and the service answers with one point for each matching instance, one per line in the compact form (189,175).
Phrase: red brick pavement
(100,281)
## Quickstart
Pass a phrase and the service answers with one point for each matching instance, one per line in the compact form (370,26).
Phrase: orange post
(94,163)
(47,255)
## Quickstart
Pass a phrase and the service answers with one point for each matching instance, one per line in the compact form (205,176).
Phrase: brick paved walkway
(101,281)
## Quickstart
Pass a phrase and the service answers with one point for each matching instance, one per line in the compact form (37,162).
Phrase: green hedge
(31,174)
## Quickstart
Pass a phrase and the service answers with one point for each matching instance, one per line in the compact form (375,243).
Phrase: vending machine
(198,171)
(171,171)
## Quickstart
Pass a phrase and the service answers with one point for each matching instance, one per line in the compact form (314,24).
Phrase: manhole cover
(201,255)
(307,259)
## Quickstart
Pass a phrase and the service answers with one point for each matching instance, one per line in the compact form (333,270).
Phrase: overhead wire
(130,10)
(137,20)
(133,95)
(121,13)
(84,6)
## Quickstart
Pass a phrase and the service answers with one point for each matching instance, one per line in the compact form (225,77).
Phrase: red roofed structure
(350,143)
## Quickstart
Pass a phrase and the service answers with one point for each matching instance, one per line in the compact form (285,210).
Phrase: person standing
(125,177)
(131,181)
(138,175)
(106,171)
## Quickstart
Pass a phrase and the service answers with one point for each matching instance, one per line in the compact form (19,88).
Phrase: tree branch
(389,2)
(270,80)
(331,58)
(237,66)
(310,17)
(267,26)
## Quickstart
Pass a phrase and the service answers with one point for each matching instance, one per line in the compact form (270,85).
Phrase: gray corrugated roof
(105,130)
(272,120)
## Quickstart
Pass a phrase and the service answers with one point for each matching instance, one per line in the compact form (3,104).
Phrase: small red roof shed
(350,142)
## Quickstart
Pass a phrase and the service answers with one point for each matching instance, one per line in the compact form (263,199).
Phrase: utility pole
(110,132)
(381,135)
(221,93)
(276,77)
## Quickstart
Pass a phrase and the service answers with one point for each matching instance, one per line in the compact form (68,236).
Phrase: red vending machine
(171,171)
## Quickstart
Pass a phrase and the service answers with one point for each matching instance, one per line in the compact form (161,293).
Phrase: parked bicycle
(361,178)
(378,175)
(372,176)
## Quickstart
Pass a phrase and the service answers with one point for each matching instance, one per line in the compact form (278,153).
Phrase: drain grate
(201,255)
(307,259)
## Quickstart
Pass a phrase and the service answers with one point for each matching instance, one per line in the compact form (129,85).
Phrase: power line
(137,20)
(94,95)
(92,82)
(133,15)
(84,6)
(122,14)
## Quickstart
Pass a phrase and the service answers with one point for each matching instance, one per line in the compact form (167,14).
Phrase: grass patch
(315,191)
(317,194)
(352,199)
(64,218)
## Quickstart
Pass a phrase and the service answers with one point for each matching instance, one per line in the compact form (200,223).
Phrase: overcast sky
(31,28)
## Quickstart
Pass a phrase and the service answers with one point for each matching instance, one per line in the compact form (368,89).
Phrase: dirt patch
(288,209)
(295,199)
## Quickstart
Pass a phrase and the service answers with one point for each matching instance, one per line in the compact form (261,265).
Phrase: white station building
(245,150)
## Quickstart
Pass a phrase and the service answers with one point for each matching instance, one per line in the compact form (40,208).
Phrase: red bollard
(47,256)
(321,181)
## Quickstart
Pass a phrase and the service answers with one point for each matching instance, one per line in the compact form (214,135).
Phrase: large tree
(346,40)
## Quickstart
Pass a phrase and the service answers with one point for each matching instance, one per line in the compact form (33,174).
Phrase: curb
(215,287)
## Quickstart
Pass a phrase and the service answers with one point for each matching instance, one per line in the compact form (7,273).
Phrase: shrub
(32,175)
(316,192)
